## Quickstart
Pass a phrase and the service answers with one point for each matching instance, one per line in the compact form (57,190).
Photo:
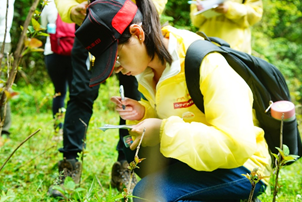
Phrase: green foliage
(33,168)
(285,156)
(33,66)
(179,11)
(254,177)
(10,195)
(282,158)
(111,196)
(179,14)
(282,19)
(69,190)
(31,100)
(277,39)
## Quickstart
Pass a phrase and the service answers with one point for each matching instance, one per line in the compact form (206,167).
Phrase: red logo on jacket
(178,105)
(93,44)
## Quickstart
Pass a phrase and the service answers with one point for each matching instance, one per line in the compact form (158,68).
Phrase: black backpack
(265,80)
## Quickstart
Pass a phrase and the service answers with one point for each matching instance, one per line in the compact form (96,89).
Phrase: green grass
(33,168)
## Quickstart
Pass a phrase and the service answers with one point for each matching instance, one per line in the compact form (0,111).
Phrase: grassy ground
(33,168)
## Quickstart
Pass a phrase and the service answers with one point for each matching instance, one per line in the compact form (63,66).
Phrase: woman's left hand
(222,8)
(151,136)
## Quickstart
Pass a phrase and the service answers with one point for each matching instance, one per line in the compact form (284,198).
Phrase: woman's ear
(137,31)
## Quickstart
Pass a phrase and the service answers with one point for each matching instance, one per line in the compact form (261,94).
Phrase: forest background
(276,38)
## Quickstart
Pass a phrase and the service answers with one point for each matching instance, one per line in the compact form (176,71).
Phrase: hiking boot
(120,176)
(67,167)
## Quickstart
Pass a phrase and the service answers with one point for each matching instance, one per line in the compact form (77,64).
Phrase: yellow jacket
(234,26)
(64,7)
(226,136)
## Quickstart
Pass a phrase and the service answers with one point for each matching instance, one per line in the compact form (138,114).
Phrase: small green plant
(112,197)
(9,196)
(254,178)
(69,189)
(282,158)
(58,120)
(132,167)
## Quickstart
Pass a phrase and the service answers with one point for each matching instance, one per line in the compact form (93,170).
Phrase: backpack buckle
(92,59)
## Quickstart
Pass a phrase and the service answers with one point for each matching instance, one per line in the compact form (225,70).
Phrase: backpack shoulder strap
(194,56)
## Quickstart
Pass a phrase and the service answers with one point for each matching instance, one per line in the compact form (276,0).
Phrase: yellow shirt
(226,136)
(234,26)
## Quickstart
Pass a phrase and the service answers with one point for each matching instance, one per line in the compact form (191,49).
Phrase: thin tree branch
(132,171)
(18,148)
(17,54)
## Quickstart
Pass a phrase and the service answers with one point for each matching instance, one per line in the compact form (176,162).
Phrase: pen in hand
(122,95)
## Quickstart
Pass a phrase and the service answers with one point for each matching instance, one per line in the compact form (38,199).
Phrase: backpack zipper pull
(270,104)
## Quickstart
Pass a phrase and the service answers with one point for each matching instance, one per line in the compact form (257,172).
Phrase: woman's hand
(78,13)
(198,5)
(222,8)
(151,136)
(133,109)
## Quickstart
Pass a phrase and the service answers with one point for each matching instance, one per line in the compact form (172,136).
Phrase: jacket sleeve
(44,17)
(227,139)
(245,15)
(160,5)
(64,7)
(197,20)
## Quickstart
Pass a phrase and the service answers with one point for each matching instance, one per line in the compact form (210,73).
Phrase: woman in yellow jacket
(233,22)
(190,156)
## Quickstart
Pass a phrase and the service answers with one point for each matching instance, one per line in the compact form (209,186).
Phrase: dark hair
(149,17)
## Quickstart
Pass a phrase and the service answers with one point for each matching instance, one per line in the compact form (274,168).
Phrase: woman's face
(132,57)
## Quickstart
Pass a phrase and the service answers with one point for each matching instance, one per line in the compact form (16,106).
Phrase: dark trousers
(81,102)
(167,179)
(60,72)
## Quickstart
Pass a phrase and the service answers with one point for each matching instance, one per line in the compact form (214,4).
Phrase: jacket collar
(146,77)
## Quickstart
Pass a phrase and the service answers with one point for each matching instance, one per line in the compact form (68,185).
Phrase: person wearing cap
(189,155)
(84,90)
(231,21)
